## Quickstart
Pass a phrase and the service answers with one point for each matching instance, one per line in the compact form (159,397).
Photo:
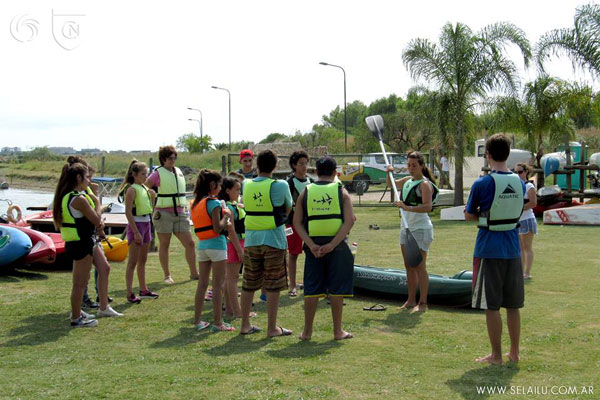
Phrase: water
(32,198)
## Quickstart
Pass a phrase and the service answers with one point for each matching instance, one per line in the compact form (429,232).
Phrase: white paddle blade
(375,124)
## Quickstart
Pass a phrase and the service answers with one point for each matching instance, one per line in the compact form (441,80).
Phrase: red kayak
(59,243)
(41,215)
(43,249)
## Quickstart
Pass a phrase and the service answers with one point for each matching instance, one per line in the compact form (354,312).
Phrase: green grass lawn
(154,351)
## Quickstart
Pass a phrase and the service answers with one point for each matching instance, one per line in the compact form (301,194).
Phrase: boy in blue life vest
(323,218)
(496,202)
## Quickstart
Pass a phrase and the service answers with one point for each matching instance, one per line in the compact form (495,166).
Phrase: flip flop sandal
(375,307)
(254,329)
(293,293)
(348,335)
(284,332)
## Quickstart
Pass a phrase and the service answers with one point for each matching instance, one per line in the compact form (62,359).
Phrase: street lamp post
(229,95)
(345,116)
(190,119)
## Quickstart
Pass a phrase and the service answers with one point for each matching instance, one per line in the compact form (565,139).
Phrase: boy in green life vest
(323,218)
(496,202)
(267,203)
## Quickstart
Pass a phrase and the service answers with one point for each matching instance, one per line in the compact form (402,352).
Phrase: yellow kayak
(119,250)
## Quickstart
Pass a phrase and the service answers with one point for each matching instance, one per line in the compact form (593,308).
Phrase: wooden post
(485,160)
(102,166)
(223,164)
(582,176)
(150,162)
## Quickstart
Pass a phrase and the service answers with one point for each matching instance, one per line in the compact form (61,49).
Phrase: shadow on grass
(484,378)
(187,335)
(13,275)
(154,286)
(39,329)
(305,349)
(240,344)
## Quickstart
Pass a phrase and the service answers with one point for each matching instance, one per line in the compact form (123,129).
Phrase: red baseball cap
(246,153)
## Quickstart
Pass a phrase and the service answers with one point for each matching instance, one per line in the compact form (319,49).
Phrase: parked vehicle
(358,176)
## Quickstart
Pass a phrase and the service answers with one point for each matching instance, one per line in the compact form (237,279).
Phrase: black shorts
(331,274)
(79,249)
(497,283)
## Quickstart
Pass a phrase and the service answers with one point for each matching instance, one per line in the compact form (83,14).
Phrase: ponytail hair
(415,155)
(228,183)
(202,187)
(66,183)
(134,167)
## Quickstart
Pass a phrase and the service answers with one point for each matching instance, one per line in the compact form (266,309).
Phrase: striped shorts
(264,265)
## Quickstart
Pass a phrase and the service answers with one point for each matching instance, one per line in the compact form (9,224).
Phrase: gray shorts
(497,283)
(168,222)
(424,237)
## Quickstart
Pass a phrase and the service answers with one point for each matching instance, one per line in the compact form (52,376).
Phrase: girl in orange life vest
(138,210)
(79,235)
(210,220)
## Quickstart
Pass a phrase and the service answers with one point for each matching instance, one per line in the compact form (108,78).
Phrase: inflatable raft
(14,244)
(579,215)
(455,290)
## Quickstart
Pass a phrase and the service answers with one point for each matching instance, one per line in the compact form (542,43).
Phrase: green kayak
(455,290)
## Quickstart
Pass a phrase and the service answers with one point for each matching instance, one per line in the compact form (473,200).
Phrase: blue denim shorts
(528,225)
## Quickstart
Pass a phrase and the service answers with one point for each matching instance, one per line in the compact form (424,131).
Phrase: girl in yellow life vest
(230,192)
(77,221)
(211,220)
(138,210)
(418,192)
(102,269)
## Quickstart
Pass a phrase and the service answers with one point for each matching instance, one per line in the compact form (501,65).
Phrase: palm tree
(465,66)
(541,113)
(581,44)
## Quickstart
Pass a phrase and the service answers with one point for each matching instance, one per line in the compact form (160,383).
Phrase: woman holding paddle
(418,192)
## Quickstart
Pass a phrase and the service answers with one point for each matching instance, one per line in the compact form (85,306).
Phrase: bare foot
(344,335)
(490,360)
(304,337)
(406,306)
(513,357)
(421,307)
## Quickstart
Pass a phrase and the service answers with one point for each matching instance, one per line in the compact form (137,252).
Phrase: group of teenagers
(247,223)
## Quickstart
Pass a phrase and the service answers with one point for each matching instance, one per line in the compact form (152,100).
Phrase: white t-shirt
(527,214)
(445,164)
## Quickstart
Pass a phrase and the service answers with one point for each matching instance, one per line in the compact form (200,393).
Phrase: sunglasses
(172,158)
(520,172)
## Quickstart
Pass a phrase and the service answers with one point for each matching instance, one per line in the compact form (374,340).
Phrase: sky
(121,75)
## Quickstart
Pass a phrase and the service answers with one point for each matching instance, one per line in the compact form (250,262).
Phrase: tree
(274,137)
(581,43)
(465,66)
(542,113)
(194,144)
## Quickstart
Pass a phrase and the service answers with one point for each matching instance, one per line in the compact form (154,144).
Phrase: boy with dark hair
(267,203)
(297,181)
(496,201)
(323,219)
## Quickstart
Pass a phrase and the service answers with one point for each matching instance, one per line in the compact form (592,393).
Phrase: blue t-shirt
(280,195)
(218,243)
(491,244)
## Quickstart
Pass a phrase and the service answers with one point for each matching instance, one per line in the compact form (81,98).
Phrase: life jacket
(91,193)
(323,205)
(141,204)
(202,219)
(411,197)
(73,229)
(239,219)
(296,187)
(507,205)
(171,192)
(261,215)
